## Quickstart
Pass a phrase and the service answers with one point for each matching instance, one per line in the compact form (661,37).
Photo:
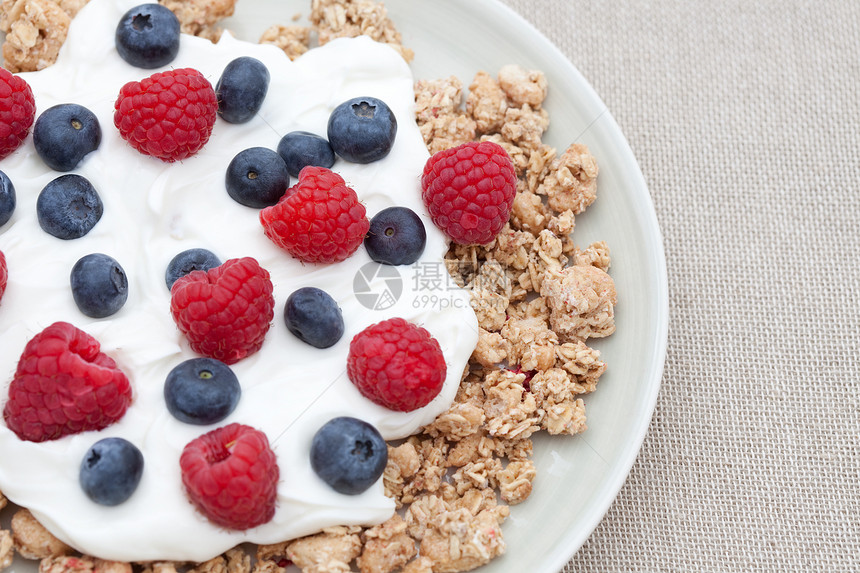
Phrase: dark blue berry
(69,207)
(201,391)
(362,130)
(314,317)
(257,177)
(111,471)
(349,455)
(187,261)
(147,36)
(64,134)
(7,199)
(241,89)
(99,285)
(396,236)
(302,148)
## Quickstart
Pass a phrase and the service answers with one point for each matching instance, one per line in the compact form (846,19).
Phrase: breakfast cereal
(538,298)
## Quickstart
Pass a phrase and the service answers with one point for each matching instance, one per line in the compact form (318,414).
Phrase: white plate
(578,477)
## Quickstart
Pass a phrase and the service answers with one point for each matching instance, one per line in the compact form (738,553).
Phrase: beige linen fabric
(745,119)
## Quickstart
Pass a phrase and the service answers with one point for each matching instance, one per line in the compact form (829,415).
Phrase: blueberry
(314,317)
(301,148)
(7,199)
(147,36)
(111,471)
(64,134)
(348,454)
(362,129)
(257,177)
(99,285)
(201,391)
(241,89)
(69,207)
(396,236)
(187,261)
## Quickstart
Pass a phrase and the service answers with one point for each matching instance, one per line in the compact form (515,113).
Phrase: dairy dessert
(154,210)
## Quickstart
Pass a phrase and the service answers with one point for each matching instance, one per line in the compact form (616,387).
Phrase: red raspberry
(396,364)
(231,476)
(224,312)
(4,274)
(469,191)
(17,112)
(318,220)
(168,115)
(64,385)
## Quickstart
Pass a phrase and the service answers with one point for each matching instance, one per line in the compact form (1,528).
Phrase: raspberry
(318,220)
(168,115)
(4,274)
(64,385)
(224,312)
(231,475)
(469,191)
(396,364)
(17,112)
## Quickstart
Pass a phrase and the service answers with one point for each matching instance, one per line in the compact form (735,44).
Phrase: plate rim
(572,540)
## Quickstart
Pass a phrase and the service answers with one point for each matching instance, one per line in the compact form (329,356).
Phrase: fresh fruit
(147,36)
(8,199)
(362,130)
(168,115)
(318,220)
(396,364)
(64,384)
(111,470)
(257,178)
(469,191)
(69,207)
(17,112)
(201,391)
(64,134)
(348,454)
(396,236)
(241,89)
(302,148)
(99,285)
(231,476)
(187,261)
(313,316)
(224,312)
(4,274)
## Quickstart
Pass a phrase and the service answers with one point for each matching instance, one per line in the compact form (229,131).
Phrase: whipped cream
(154,210)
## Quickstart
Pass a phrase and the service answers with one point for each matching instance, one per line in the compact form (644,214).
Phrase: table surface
(745,119)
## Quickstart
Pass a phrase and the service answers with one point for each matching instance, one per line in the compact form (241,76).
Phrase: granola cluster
(538,298)
(201,17)
(440,533)
(331,19)
(350,18)
(35,30)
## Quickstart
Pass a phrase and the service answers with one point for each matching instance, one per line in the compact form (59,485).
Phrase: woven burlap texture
(745,119)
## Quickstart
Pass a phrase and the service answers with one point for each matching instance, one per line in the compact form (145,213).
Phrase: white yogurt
(154,210)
